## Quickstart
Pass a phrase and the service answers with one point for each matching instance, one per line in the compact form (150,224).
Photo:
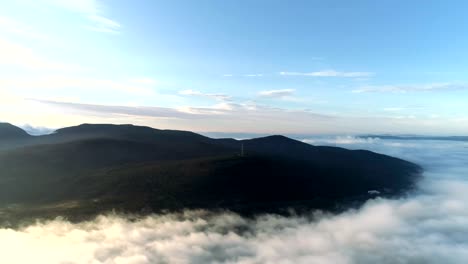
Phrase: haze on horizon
(243,66)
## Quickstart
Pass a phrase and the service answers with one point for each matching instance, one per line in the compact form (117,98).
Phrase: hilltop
(85,170)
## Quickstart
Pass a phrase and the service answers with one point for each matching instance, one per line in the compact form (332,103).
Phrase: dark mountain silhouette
(12,136)
(8,131)
(89,169)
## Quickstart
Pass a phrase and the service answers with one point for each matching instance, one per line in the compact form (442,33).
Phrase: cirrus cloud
(329,73)
(91,10)
(412,88)
(277,93)
(219,97)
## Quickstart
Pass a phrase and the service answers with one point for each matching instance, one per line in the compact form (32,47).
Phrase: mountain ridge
(9,131)
(130,168)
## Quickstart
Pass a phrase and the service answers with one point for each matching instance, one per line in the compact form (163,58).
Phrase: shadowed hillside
(81,171)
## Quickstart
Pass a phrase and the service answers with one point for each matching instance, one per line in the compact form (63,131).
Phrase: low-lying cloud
(340,140)
(429,226)
(37,131)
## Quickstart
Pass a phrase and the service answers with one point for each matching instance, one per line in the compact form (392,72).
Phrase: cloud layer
(427,227)
(329,73)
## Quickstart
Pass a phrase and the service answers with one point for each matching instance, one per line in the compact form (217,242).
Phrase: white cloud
(93,11)
(103,24)
(277,93)
(36,131)
(253,75)
(429,226)
(224,117)
(219,97)
(341,140)
(329,73)
(412,88)
(245,75)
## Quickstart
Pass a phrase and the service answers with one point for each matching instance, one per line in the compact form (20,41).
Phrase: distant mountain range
(81,171)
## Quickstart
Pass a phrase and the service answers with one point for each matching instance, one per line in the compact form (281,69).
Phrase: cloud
(428,226)
(253,75)
(93,11)
(36,131)
(141,111)
(225,116)
(329,73)
(402,108)
(219,97)
(277,93)
(245,75)
(412,88)
(103,24)
(340,140)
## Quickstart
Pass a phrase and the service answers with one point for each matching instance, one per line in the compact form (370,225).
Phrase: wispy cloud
(226,116)
(253,75)
(329,73)
(401,108)
(103,24)
(93,11)
(142,111)
(245,75)
(277,93)
(219,97)
(411,88)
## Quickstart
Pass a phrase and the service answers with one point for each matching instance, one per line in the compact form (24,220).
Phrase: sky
(292,67)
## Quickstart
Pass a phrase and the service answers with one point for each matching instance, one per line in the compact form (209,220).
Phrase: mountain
(12,136)
(8,131)
(81,171)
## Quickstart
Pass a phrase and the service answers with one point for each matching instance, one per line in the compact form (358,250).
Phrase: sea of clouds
(429,226)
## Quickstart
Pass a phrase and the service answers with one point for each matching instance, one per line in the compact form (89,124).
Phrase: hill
(81,171)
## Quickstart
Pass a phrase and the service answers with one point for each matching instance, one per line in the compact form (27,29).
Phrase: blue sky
(318,67)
